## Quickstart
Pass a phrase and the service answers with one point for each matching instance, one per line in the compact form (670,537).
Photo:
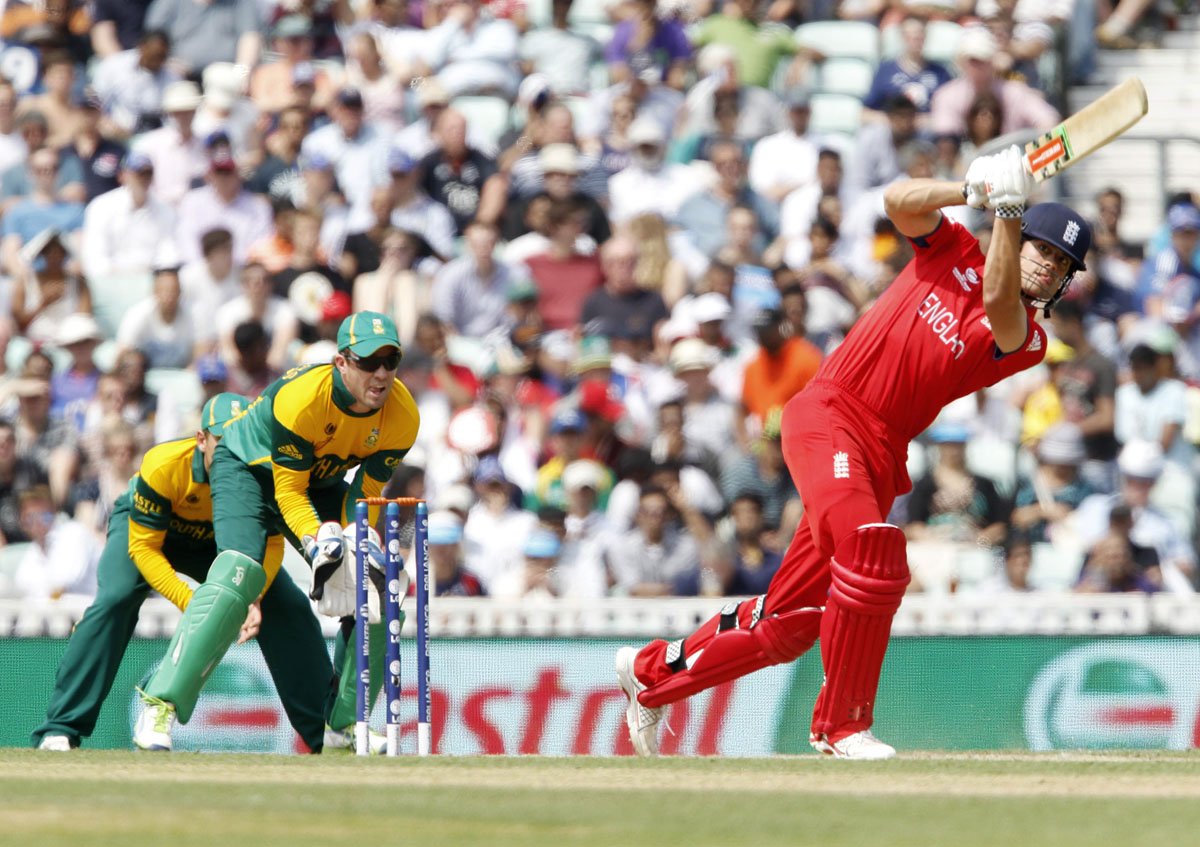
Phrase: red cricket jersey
(927,340)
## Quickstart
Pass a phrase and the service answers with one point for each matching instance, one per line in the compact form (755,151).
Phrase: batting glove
(975,188)
(1009,184)
(324,552)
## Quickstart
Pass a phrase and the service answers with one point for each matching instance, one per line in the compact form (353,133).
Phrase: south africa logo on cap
(377,326)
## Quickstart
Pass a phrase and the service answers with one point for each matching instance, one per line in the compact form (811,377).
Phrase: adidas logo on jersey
(1035,344)
(291,451)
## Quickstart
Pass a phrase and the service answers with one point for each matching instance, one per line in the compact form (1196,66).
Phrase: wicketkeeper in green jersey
(162,527)
(281,466)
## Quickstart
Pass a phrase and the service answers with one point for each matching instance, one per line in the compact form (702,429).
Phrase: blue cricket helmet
(1061,226)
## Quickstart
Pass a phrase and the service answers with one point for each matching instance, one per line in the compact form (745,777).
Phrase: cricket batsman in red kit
(952,322)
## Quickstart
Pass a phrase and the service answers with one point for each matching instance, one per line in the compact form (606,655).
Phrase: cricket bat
(1087,130)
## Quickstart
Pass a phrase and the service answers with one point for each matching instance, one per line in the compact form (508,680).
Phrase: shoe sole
(626,680)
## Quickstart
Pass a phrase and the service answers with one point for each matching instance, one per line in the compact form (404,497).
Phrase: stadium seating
(836,113)
(941,41)
(113,295)
(179,386)
(1054,567)
(841,39)
(489,116)
(845,76)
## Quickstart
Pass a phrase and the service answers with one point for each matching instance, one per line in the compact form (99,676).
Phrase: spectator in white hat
(50,443)
(45,291)
(556,170)
(1022,107)
(1141,465)
(73,389)
(707,417)
(227,115)
(649,184)
(178,154)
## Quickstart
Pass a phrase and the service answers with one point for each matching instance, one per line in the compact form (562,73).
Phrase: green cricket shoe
(153,728)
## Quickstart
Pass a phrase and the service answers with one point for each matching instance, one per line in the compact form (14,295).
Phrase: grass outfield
(98,798)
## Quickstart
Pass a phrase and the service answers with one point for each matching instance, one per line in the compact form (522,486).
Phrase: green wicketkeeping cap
(365,332)
(222,408)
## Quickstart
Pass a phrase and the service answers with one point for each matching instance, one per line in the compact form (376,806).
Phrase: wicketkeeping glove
(340,597)
(324,552)
(1008,183)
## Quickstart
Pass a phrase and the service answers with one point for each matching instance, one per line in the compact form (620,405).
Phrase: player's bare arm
(1002,286)
(914,205)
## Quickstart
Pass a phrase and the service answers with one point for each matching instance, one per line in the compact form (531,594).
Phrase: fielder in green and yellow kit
(281,466)
(162,527)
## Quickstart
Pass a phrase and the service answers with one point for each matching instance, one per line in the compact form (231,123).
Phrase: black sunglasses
(370,364)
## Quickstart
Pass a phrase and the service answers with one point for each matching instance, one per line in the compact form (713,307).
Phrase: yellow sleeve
(273,560)
(291,494)
(293,456)
(145,549)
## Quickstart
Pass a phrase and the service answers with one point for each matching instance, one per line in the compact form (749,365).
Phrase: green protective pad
(344,711)
(208,628)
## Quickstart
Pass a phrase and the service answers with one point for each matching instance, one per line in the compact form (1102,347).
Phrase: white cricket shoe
(863,746)
(153,728)
(642,721)
(55,743)
(343,739)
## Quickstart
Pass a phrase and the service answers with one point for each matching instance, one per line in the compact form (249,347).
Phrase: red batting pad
(870,574)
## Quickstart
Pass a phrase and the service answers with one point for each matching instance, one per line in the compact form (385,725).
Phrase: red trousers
(848,466)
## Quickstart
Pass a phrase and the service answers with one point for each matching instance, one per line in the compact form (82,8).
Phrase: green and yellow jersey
(302,429)
(170,511)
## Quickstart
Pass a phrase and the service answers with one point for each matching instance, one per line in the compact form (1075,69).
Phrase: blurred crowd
(616,238)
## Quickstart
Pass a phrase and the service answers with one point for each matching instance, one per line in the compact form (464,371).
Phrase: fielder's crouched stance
(281,468)
(161,527)
(951,323)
